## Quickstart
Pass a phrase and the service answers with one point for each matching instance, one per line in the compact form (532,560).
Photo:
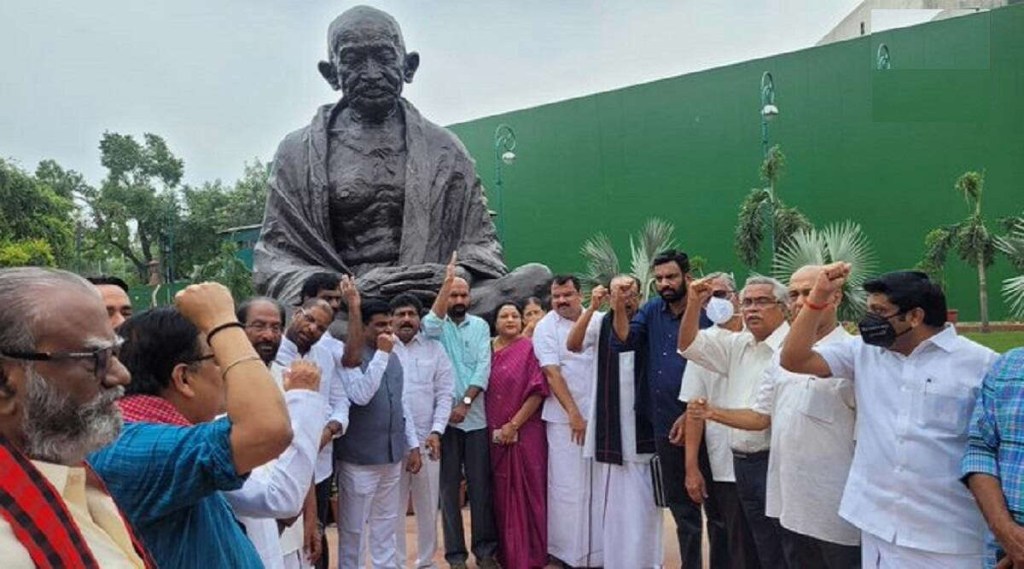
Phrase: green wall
(882,148)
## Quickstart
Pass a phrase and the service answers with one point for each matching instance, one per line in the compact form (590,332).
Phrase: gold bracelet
(252,358)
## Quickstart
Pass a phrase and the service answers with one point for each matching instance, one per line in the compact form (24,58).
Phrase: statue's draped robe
(444,207)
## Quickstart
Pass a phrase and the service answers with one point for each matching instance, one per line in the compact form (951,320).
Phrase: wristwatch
(467,400)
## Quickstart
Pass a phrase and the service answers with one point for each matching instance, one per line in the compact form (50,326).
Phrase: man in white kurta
(427,391)
(575,494)
(631,521)
(916,383)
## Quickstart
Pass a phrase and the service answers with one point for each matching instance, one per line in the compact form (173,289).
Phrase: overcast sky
(224,80)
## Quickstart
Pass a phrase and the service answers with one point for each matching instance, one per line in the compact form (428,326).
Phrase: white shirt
(812,446)
(699,381)
(740,360)
(339,385)
(627,398)
(913,412)
(549,340)
(278,489)
(428,382)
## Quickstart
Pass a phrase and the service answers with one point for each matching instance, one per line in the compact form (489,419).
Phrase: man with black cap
(916,382)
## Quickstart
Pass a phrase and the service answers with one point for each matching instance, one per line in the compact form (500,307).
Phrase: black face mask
(878,331)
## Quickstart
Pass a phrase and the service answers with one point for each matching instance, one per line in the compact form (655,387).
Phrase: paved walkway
(668,539)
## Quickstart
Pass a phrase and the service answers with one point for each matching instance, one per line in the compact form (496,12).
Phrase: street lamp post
(768,112)
(504,144)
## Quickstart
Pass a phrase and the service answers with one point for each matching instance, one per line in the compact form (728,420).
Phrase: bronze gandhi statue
(374,190)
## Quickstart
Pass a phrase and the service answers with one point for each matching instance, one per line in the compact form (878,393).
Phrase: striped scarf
(39,518)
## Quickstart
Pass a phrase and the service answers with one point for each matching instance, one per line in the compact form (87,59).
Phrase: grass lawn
(998,341)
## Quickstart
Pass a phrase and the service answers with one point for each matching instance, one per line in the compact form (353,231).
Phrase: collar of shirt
(944,340)
(774,340)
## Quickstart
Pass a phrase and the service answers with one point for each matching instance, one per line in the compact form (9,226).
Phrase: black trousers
(741,552)
(685,511)
(806,552)
(469,453)
(323,509)
(752,486)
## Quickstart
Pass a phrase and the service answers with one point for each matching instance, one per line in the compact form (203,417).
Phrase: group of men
(805,446)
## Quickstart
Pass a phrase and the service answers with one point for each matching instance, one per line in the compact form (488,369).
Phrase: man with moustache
(428,382)
(652,334)
(115,297)
(305,339)
(719,497)
(281,489)
(631,519)
(465,444)
(741,360)
(812,421)
(59,380)
(174,460)
(380,439)
(263,318)
(575,493)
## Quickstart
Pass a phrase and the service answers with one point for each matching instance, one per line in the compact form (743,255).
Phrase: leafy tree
(763,212)
(227,269)
(602,263)
(135,210)
(33,214)
(969,238)
(28,252)
(1012,245)
(837,242)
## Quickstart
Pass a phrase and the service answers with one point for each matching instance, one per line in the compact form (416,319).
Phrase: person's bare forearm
(694,436)
(745,419)
(260,426)
(353,355)
(578,333)
(527,410)
(560,389)
(620,324)
(440,307)
(988,492)
(797,352)
(689,324)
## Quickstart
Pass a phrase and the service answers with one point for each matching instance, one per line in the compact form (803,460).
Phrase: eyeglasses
(263,327)
(100,357)
(202,358)
(721,293)
(759,302)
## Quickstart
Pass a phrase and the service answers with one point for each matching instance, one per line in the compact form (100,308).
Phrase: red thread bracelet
(813,306)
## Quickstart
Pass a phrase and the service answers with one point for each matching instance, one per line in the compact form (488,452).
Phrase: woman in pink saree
(519,447)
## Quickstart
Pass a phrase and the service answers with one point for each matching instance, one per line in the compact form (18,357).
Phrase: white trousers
(367,496)
(425,488)
(576,500)
(632,523)
(877,553)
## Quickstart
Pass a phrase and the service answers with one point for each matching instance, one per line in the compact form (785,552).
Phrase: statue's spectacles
(100,357)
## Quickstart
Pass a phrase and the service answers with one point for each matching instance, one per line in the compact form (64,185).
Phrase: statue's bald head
(363,19)
(368,62)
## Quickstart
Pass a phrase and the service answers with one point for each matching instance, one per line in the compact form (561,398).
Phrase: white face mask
(719,310)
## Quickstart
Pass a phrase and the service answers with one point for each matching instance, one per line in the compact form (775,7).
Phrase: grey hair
(727,277)
(778,289)
(23,294)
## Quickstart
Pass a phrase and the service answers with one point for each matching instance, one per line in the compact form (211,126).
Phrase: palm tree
(655,236)
(1012,244)
(969,237)
(762,211)
(837,242)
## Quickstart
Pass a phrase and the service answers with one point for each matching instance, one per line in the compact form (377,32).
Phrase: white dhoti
(576,498)
(291,546)
(632,523)
(877,553)
(368,497)
(425,489)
